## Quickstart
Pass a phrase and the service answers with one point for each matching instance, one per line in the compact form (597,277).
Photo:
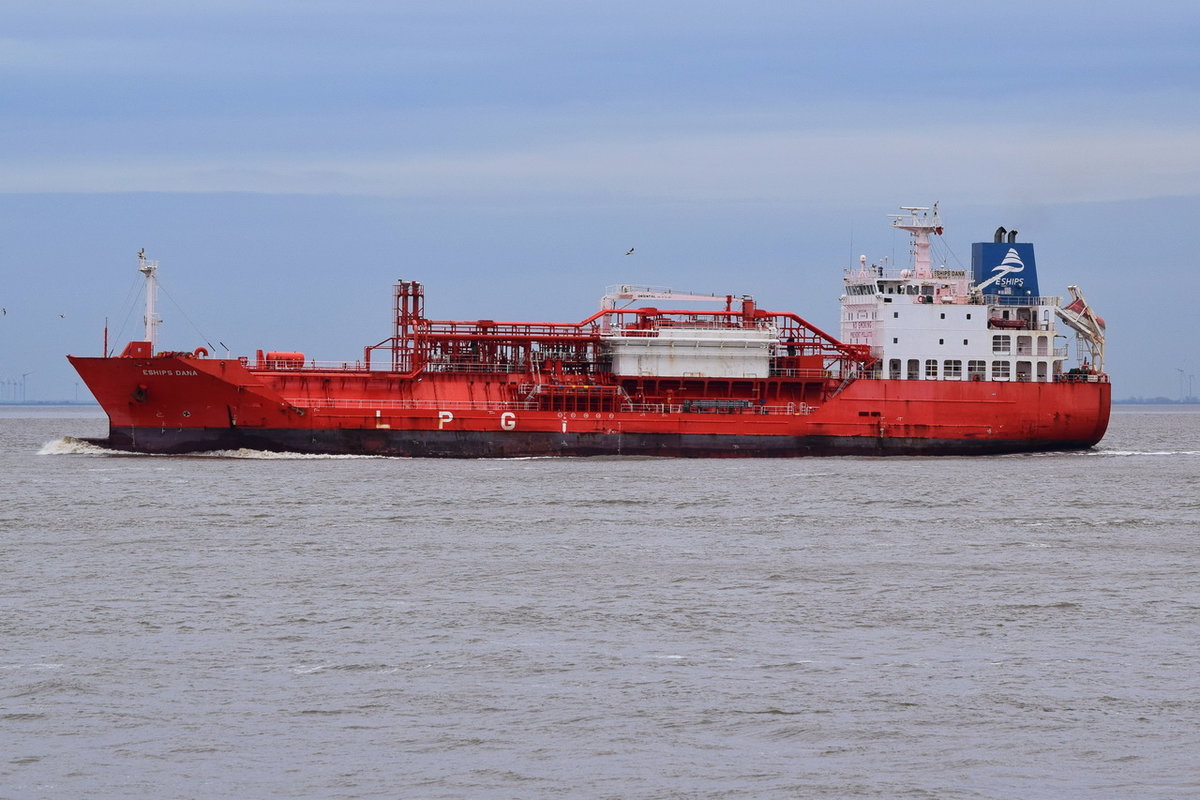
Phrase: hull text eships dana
(930,361)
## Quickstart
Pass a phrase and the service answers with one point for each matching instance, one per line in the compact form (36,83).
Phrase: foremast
(149,268)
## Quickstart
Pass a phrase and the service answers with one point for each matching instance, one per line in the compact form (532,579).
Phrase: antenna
(920,224)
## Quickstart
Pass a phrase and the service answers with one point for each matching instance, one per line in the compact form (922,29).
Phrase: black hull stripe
(516,444)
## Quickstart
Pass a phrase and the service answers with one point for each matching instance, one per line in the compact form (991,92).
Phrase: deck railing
(365,404)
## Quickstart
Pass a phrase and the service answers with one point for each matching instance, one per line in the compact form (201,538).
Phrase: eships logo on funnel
(1010,263)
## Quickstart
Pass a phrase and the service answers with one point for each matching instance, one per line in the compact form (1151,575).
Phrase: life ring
(976,377)
(200,352)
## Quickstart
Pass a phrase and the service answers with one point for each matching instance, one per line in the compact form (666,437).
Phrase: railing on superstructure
(1011,300)
(873,273)
(878,280)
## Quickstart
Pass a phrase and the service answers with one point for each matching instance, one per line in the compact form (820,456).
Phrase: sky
(286,162)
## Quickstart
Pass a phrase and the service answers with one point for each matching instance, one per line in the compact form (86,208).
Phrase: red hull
(176,403)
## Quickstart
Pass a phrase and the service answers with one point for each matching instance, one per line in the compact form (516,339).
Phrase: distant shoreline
(1156,401)
(80,403)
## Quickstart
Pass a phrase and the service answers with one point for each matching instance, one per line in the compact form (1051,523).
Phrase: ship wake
(71,446)
(1145,453)
(267,455)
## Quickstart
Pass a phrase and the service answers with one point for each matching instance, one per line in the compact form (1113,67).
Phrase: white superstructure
(933,323)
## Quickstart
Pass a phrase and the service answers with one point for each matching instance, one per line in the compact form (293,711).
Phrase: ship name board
(187,372)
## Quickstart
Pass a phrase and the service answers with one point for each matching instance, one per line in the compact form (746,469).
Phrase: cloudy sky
(286,161)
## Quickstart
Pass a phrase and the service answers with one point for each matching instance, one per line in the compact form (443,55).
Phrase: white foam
(303,669)
(245,452)
(1093,453)
(31,666)
(70,446)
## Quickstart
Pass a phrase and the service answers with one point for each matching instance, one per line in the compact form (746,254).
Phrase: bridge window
(952,369)
(894,369)
(976,369)
(1001,370)
(1001,344)
(914,369)
(931,369)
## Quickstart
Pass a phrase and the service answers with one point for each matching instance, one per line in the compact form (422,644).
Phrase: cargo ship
(930,360)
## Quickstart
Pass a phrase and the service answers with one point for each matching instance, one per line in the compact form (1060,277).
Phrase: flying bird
(629,252)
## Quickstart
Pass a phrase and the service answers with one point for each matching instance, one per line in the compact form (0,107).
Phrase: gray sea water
(257,626)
